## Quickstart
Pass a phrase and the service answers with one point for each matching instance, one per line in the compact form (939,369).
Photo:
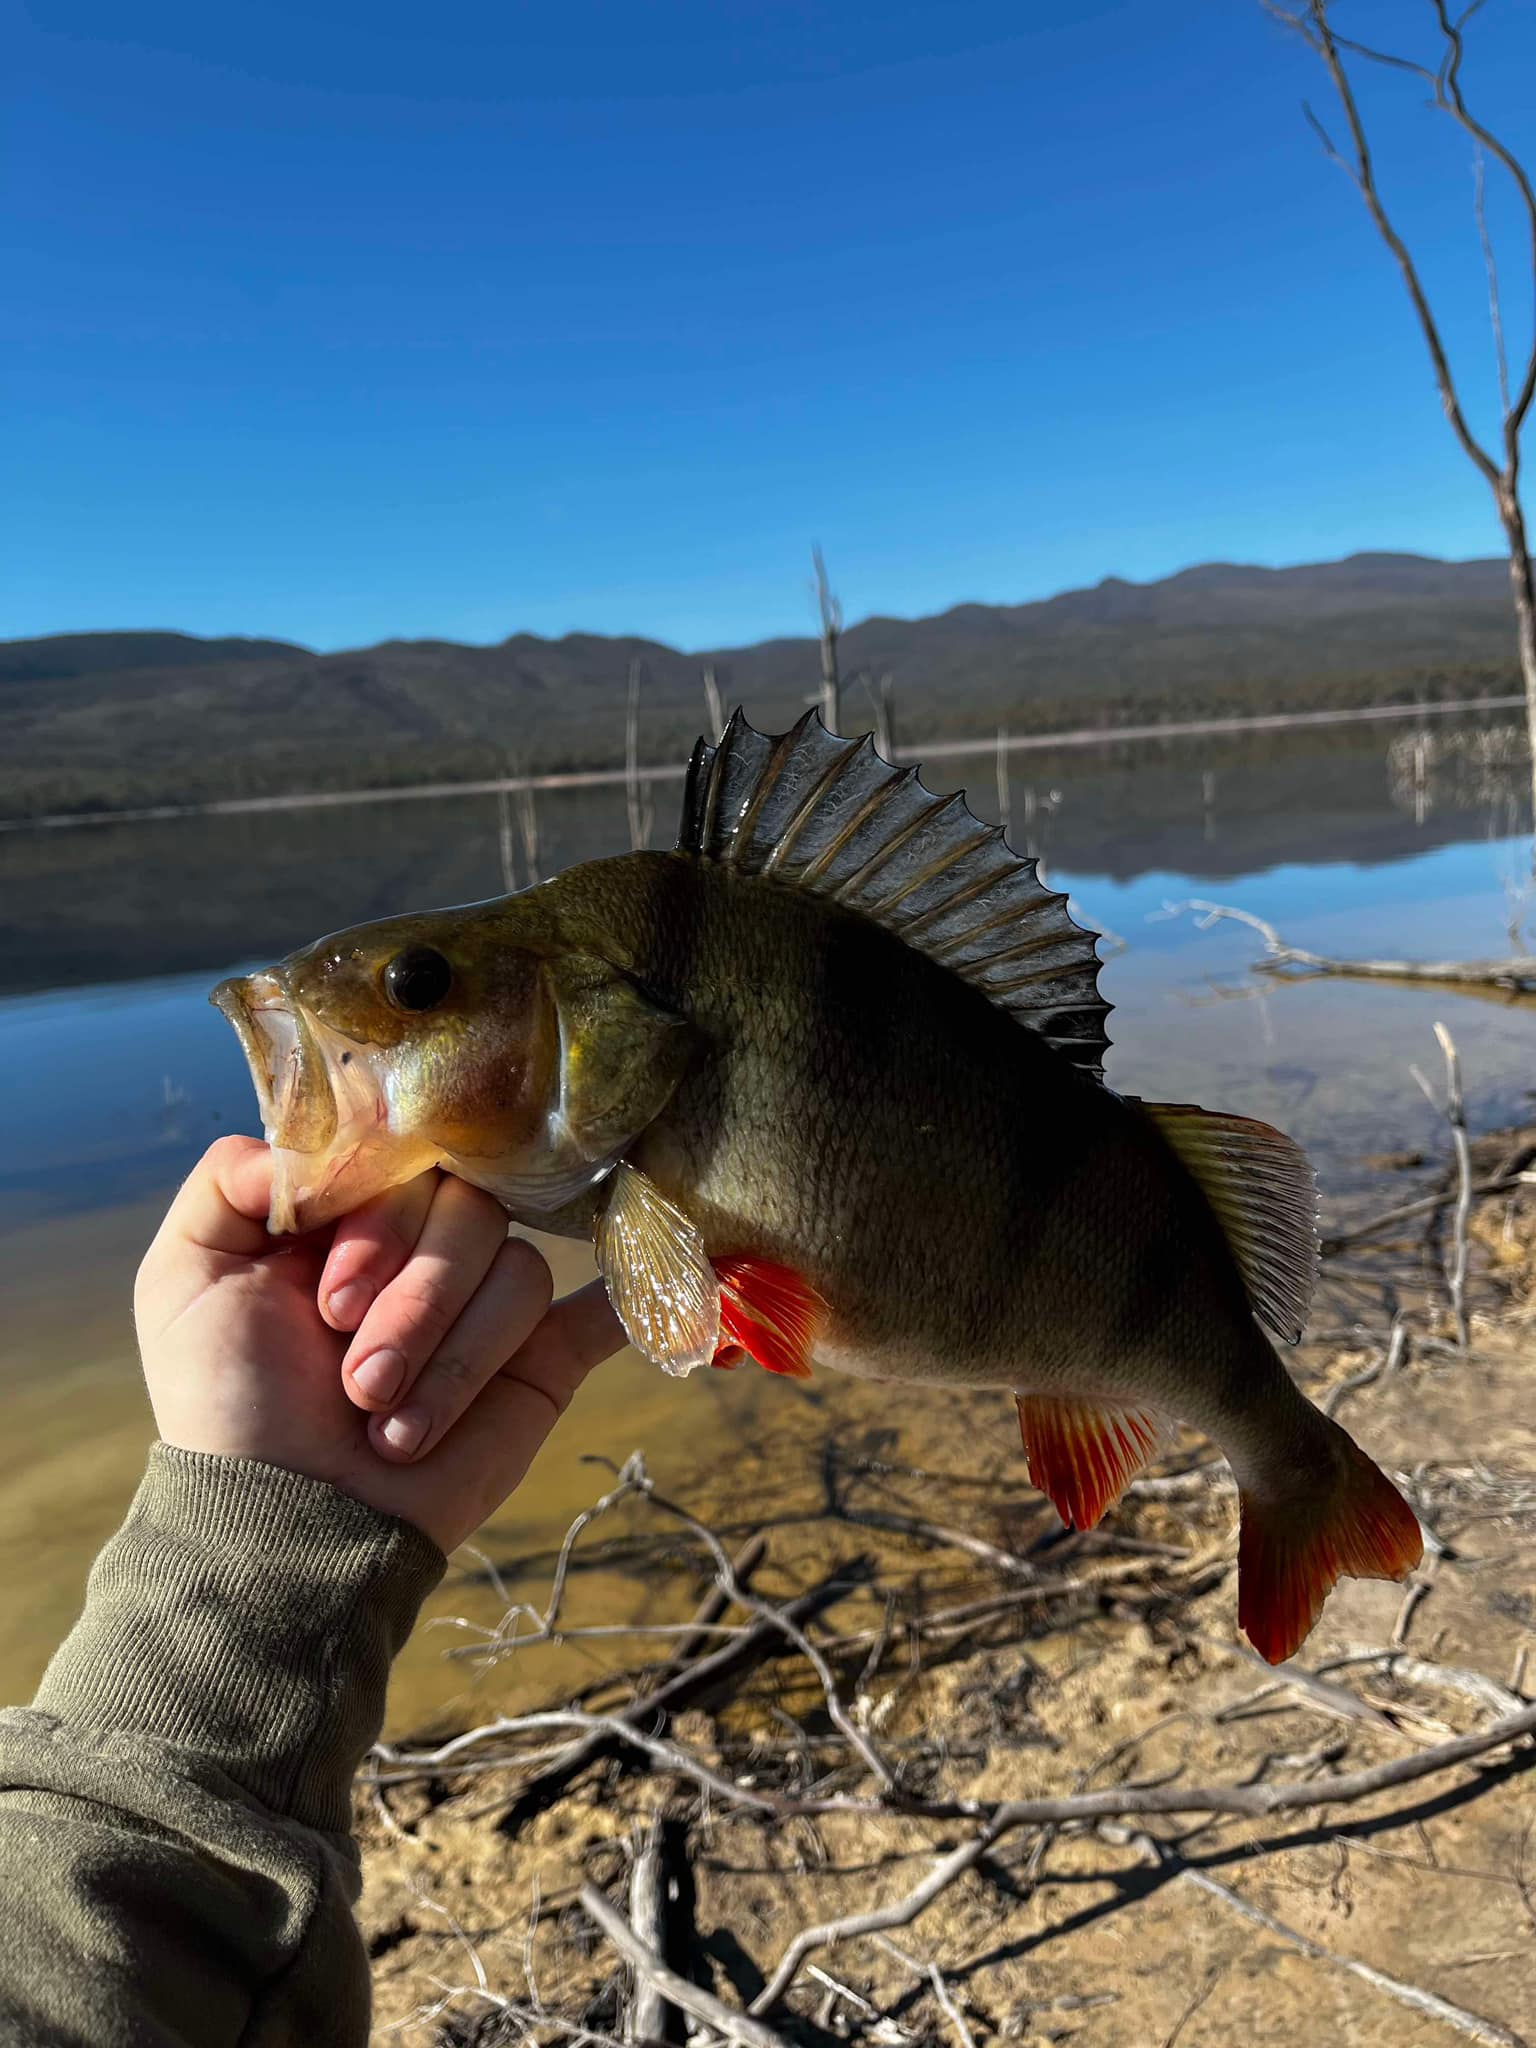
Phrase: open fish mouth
(323,1104)
(288,1067)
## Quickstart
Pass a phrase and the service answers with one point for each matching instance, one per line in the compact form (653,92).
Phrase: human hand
(248,1345)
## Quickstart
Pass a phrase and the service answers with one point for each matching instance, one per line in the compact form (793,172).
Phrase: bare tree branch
(1491,271)
(1318,32)
(1451,94)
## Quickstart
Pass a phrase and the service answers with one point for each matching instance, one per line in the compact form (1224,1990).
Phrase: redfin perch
(824,1084)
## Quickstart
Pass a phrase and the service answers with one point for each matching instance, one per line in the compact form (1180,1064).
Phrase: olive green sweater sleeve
(176,1863)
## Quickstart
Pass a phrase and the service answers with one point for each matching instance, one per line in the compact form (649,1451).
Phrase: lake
(115,1073)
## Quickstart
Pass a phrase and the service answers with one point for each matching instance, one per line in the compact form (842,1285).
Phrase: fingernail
(404,1432)
(348,1305)
(380,1375)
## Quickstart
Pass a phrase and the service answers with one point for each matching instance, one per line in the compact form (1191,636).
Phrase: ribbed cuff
(249,1616)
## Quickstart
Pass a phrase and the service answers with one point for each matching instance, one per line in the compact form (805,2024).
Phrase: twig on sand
(1202,1993)
(1388,1361)
(647,1912)
(934,1977)
(1429,2003)
(692,1998)
(900,1913)
(1455,1113)
(1425,1205)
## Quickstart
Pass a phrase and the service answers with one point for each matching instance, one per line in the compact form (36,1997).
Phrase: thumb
(222,1204)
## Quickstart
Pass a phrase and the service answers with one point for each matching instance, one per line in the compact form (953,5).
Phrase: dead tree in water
(830,613)
(714,703)
(1499,466)
(637,800)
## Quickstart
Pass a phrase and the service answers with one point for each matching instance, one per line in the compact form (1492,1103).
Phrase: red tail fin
(1292,1550)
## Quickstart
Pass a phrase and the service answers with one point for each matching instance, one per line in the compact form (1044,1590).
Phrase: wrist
(248,1614)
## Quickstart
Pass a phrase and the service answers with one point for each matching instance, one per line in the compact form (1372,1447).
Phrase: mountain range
(119,720)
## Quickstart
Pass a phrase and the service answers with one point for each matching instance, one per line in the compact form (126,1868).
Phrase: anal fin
(770,1313)
(1083,1454)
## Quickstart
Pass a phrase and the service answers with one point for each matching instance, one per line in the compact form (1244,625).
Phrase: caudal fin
(1350,1520)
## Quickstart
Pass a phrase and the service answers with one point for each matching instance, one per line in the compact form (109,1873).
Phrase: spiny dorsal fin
(831,816)
(1264,1193)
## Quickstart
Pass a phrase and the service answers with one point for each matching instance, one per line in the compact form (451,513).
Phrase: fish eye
(417,979)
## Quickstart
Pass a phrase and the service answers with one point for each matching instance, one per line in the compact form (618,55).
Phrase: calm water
(115,1073)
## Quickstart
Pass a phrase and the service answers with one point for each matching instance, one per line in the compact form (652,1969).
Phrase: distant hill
(88,654)
(113,720)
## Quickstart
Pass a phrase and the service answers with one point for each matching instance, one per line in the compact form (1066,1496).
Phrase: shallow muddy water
(114,1073)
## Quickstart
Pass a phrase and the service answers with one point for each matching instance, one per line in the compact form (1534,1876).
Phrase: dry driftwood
(1515,976)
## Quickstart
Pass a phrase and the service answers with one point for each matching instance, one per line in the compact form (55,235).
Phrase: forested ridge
(115,720)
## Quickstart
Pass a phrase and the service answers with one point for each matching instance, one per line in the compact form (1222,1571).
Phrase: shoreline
(617,778)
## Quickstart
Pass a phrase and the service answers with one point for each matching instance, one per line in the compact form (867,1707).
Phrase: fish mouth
(288,1067)
(324,1106)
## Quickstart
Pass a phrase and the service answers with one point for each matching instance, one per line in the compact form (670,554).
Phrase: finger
(502,1313)
(464,1230)
(222,1203)
(578,1333)
(370,1247)
(488,1452)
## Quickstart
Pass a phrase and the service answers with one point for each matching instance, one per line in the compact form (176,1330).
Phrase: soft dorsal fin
(1263,1191)
(831,816)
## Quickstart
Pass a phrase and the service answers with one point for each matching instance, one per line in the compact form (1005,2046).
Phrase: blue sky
(340,322)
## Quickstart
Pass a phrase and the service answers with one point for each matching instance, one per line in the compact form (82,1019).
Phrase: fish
(824,1084)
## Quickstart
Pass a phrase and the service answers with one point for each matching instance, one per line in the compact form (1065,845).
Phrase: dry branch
(647,1912)
(1118,1803)
(1455,1114)
(693,1998)
(1428,2003)
(691,1682)
(1516,976)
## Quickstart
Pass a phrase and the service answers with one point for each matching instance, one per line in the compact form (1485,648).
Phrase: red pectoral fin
(770,1313)
(1082,1454)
